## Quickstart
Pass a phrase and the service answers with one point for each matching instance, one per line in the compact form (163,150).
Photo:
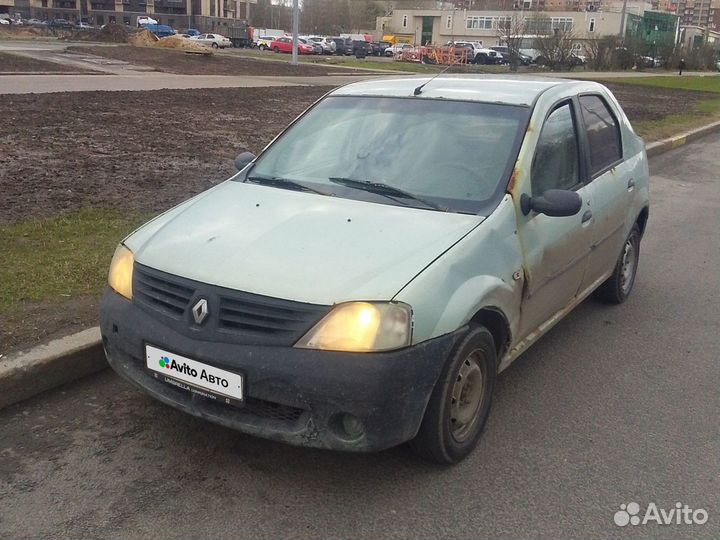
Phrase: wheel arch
(497,324)
(642,219)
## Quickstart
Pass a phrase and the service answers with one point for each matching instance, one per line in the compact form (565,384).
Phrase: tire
(450,430)
(619,285)
(261,47)
(276,50)
(215,46)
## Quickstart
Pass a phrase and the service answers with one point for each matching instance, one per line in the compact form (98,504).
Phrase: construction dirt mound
(8,31)
(142,38)
(182,43)
(110,33)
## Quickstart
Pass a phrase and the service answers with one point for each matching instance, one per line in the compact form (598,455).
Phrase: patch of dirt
(650,103)
(33,323)
(15,63)
(143,151)
(174,61)
(11,31)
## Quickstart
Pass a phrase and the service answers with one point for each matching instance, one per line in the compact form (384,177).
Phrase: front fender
(483,270)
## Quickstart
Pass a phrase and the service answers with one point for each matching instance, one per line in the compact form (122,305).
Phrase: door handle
(587,216)
(631,184)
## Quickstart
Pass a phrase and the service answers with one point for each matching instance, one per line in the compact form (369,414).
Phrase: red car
(284,44)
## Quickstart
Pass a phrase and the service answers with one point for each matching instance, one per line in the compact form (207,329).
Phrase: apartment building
(438,26)
(203,14)
(705,13)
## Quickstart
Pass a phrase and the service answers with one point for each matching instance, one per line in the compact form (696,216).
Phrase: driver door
(555,249)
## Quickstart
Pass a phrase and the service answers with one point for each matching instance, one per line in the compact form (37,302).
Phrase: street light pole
(623,15)
(296,29)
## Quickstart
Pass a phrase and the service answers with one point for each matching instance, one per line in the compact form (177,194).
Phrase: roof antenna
(419,89)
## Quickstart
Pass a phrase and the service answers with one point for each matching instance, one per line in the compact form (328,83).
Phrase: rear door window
(603,133)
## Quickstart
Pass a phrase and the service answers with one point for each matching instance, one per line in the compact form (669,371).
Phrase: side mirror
(553,203)
(243,159)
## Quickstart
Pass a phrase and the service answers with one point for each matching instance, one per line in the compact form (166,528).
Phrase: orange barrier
(435,55)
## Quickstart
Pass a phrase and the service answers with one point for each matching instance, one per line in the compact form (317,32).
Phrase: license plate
(196,377)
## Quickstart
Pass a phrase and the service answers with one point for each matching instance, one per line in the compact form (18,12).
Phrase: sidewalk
(36,84)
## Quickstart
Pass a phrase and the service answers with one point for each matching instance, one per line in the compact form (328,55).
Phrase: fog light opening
(347,426)
(352,426)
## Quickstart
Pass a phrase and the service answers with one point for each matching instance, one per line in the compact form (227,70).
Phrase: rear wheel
(276,50)
(460,403)
(215,46)
(618,286)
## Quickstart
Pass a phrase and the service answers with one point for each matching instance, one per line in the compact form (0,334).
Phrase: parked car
(328,45)
(379,47)
(317,48)
(523,59)
(264,43)
(62,24)
(398,48)
(160,30)
(334,295)
(143,20)
(479,54)
(4,21)
(193,32)
(285,45)
(80,25)
(360,48)
(343,46)
(216,41)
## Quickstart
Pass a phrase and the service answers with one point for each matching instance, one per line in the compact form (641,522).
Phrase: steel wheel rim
(627,268)
(467,396)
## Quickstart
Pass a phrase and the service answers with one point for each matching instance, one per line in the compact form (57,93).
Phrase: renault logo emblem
(200,311)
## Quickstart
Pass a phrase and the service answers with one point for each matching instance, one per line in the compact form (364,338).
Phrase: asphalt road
(614,405)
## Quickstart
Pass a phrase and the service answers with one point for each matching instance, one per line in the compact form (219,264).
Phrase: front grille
(271,410)
(157,290)
(256,317)
(233,316)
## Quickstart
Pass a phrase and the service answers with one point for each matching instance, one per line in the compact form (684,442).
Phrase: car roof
(510,90)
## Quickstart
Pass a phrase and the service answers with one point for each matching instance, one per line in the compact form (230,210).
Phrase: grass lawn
(700,113)
(56,258)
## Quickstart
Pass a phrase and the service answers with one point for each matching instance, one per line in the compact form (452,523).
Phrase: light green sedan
(363,287)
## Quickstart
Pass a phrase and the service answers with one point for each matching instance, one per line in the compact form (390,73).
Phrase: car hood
(296,245)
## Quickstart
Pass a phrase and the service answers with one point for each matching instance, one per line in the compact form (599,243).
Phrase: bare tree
(555,48)
(511,34)
(600,52)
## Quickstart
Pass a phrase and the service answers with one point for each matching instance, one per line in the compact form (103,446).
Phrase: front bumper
(297,396)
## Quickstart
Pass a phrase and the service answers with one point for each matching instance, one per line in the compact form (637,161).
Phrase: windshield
(452,154)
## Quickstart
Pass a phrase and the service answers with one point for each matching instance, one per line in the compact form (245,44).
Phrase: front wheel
(261,47)
(215,46)
(618,286)
(460,402)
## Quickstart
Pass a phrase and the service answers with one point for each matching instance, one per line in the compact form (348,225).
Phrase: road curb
(664,145)
(61,361)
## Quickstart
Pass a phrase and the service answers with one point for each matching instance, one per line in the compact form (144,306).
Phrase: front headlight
(121,271)
(361,327)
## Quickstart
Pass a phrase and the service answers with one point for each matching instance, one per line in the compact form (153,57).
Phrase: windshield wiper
(284,183)
(384,189)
